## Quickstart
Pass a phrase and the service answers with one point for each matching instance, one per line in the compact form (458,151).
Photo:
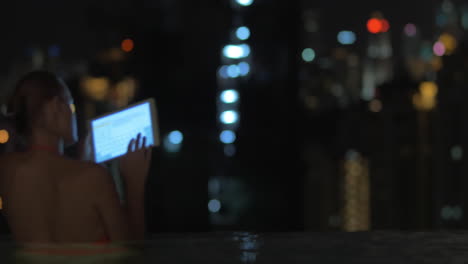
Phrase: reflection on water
(242,247)
(249,245)
(79,254)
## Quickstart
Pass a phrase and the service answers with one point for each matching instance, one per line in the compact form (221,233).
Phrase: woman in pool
(48,198)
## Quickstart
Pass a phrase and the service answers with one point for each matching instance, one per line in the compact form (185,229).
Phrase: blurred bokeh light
(4,136)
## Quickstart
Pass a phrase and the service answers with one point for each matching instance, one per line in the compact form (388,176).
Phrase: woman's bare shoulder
(84,167)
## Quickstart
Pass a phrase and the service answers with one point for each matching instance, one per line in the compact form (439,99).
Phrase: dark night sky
(27,23)
(352,15)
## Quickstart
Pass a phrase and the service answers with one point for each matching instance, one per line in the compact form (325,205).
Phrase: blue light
(229,117)
(243,33)
(246,49)
(308,55)
(214,206)
(229,96)
(244,68)
(236,51)
(346,37)
(228,137)
(223,72)
(233,71)
(244,2)
(176,137)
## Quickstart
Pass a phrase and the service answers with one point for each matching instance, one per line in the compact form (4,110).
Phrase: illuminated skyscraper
(356,194)
(378,64)
(450,175)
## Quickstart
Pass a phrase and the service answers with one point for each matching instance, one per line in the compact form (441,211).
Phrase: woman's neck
(46,142)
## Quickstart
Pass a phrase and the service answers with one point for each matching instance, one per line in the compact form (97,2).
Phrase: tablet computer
(111,133)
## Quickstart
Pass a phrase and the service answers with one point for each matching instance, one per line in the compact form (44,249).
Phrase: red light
(375,25)
(127,45)
(385,25)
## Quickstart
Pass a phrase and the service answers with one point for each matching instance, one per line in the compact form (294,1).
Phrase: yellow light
(449,41)
(96,88)
(426,99)
(124,92)
(4,136)
(356,194)
(428,89)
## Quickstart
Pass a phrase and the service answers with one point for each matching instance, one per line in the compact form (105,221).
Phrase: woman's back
(50,199)
(47,199)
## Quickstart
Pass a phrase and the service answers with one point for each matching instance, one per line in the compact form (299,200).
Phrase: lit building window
(236,51)
(449,42)
(214,206)
(244,68)
(229,96)
(243,33)
(96,88)
(245,2)
(426,99)
(233,71)
(229,117)
(308,55)
(124,91)
(356,211)
(227,137)
(173,142)
(223,72)
(346,37)
(176,137)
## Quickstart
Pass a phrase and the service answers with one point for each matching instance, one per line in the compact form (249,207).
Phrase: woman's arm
(125,222)
(134,168)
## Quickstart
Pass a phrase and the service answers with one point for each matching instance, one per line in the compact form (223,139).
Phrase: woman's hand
(135,165)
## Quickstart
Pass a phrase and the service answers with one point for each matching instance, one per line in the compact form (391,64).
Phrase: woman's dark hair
(28,97)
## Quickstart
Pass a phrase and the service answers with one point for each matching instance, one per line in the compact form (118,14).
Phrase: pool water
(243,247)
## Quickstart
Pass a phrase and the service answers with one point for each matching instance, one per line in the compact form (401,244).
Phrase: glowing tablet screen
(112,133)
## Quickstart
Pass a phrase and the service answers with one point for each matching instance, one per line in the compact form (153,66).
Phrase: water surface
(243,247)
